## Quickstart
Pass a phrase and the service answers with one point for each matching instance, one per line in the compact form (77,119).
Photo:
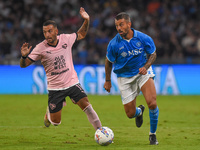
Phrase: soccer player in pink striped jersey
(55,54)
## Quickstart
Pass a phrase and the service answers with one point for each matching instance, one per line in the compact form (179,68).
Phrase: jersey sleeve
(150,47)
(71,38)
(35,54)
(111,56)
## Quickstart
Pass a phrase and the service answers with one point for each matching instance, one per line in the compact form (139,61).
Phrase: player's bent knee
(130,114)
(152,104)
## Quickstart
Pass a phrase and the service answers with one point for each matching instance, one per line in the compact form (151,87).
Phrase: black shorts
(56,98)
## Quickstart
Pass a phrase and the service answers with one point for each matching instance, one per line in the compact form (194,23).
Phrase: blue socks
(137,112)
(153,114)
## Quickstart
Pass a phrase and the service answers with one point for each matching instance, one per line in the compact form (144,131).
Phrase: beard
(123,34)
(51,40)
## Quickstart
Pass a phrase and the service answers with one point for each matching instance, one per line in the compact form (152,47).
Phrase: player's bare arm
(81,33)
(25,50)
(149,62)
(108,69)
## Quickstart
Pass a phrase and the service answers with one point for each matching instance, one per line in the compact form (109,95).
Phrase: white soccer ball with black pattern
(104,136)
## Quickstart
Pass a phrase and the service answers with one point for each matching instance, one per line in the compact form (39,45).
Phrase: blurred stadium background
(173,25)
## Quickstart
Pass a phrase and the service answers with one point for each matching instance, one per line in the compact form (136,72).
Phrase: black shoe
(153,140)
(139,119)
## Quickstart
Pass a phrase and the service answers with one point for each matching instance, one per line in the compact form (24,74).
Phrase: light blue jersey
(129,55)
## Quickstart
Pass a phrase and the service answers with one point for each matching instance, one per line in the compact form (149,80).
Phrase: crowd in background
(173,25)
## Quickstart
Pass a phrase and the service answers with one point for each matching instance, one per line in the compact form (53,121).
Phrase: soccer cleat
(152,139)
(47,123)
(139,118)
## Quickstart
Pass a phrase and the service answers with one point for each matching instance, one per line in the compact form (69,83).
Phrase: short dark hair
(48,22)
(123,15)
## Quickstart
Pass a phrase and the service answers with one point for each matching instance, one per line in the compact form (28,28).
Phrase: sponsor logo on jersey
(123,54)
(59,62)
(56,73)
(135,52)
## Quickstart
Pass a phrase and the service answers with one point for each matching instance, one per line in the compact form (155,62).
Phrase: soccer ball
(104,136)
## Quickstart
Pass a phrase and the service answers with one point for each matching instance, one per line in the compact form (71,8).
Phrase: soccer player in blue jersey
(132,53)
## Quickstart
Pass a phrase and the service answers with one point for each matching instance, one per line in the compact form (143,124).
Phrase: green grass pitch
(21,124)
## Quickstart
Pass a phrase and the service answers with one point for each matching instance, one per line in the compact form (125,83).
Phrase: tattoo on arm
(151,60)
(22,63)
(25,62)
(83,30)
(108,69)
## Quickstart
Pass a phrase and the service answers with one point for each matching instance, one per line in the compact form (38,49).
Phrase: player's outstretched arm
(108,69)
(81,33)
(25,50)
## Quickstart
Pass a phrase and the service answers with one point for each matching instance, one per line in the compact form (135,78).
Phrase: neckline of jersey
(55,45)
